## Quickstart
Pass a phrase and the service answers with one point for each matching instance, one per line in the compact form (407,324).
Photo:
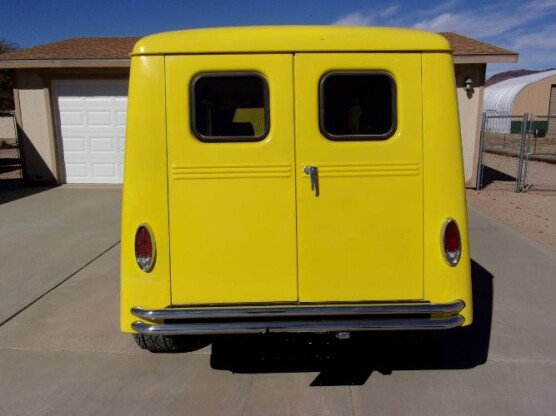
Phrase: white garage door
(91,120)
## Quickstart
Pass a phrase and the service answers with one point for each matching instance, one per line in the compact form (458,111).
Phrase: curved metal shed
(500,98)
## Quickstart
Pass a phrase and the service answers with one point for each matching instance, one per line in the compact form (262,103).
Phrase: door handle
(313,173)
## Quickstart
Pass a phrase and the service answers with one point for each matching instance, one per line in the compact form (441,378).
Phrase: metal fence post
(528,153)
(521,152)
(479,182)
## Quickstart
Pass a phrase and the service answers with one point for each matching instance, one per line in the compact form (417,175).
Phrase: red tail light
(452,242)
(144,248)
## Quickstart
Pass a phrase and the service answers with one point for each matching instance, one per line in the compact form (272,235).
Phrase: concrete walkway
(64,354)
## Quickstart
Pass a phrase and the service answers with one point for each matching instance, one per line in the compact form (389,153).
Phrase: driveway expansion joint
(58,284)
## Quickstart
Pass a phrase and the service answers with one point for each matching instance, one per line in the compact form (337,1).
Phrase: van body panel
(288,39)
(304,208)
(232,205)
(347,251)
(444,187)
(220,228)
(145,198)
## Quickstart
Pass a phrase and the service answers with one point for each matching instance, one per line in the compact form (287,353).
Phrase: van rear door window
(357,106)
(229,107)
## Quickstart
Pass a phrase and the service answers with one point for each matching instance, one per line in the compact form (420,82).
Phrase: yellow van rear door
(231,178)
(359,171)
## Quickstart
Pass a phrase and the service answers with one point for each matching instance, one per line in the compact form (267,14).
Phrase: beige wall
(33,111)
(470,111)
(534,98)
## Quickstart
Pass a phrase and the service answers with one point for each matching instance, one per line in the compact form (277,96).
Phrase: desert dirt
(532,213)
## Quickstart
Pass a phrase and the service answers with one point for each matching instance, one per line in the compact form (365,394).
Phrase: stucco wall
(470,111)
(33,111)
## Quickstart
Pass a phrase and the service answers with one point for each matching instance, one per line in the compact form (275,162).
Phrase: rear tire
(168,343)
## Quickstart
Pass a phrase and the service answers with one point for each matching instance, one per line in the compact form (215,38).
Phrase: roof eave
(64,63)
(486,59)
(125,63)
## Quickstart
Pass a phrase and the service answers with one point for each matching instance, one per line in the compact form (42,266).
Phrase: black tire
(167,343)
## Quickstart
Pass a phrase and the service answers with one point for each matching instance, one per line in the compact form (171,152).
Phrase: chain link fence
(10,156)
(539,154)
(517,152)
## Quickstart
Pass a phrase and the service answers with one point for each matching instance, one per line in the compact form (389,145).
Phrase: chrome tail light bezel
(452,257)
(145,263)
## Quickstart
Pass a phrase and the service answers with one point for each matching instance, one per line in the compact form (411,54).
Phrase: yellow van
(292,179)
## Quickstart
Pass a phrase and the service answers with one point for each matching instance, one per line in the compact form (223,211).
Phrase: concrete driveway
(48,235)
(61,351)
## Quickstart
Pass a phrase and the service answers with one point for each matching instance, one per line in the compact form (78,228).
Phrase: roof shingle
(101,48)
(462,45)
(77,48)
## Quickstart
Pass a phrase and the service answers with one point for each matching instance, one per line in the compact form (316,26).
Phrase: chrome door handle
(313,173)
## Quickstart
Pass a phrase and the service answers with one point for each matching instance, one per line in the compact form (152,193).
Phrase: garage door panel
(100,118)
(92,117)
(75,145)
(103,144)
(72,118)
(77,170)
(106,170)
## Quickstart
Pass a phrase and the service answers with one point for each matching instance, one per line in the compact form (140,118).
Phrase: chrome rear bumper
(298,318)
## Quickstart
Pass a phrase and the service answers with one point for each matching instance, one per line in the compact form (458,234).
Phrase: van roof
(272,39)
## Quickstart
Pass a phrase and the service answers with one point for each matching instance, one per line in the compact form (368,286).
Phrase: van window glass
(229,107)
(357,106)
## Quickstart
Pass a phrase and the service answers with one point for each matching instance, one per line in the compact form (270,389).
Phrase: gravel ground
(533,214)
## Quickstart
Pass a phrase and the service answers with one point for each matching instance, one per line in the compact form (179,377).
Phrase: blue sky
(527,26)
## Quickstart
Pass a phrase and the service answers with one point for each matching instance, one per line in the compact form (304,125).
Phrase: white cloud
(440,23)
(542,4)
(478,24)
(517,27)
(444,6)
(488,21)
(355,19)
(367,19)
(520,26)
(541,39)
(389,11)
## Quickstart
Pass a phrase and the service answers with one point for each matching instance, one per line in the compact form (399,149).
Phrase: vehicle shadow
(351,362)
